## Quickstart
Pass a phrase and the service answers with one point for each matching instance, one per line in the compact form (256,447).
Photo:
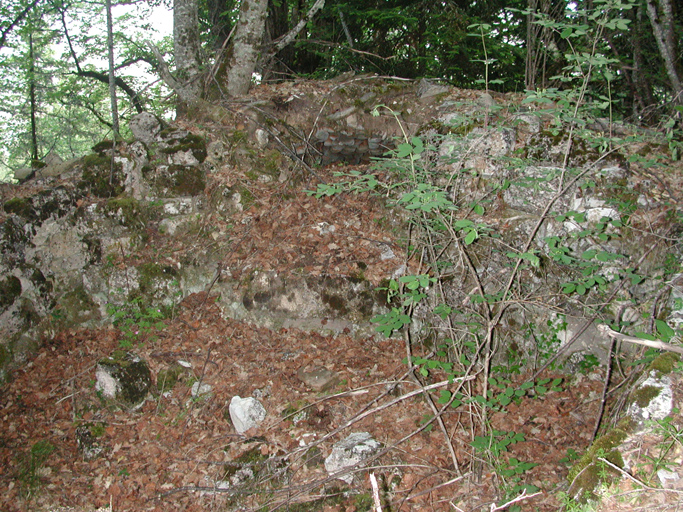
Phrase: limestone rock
(427,89)
(652,399)
(145,127)
(246,413)
(350,452)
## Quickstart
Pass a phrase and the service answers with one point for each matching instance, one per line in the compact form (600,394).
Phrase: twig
(521,497)
(634,479)
(375,493)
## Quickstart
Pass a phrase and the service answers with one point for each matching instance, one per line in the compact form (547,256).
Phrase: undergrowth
(482,267)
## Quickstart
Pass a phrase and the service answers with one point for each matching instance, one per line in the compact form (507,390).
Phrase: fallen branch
(659,344)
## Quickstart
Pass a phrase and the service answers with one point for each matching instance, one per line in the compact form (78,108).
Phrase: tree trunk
(187,52)
(244,51)
(112,78)
(32,97)
(662,21)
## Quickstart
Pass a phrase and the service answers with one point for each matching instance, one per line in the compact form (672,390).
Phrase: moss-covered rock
(10,289)
(124,378)
(99,179)
(180,180)
(589,473)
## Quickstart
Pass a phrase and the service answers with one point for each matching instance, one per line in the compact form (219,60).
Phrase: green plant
(672,436)
(29,467)
(136,321)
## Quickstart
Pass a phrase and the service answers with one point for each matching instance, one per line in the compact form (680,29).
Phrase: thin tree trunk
(244,53)
(187,52)
(32,98)
(662,21)
(112,78)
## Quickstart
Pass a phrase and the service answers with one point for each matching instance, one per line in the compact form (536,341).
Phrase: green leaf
(471,237)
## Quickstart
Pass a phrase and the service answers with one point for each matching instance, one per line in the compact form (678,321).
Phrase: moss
(98,178)
(665,363)
(102,147)
(589,472)
(20,206)
(644,395)
(75,308)
(252,459)
(182,180)
(190,142)
(336,303)
(94,246)
(131,212)
(5,361)
(10,289)
(167,378)
(131,373)
(28,313)
(152,272)
(39,281)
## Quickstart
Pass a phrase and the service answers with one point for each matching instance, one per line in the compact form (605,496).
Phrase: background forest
(57,59)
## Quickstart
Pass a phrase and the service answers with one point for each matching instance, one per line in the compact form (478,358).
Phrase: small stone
(124,377)
(319,378)
(350,452)
(198,390)
(246,413)
(667,478)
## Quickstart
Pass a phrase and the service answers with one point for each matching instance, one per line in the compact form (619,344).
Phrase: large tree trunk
(187,52)
(662,21)
(244,51)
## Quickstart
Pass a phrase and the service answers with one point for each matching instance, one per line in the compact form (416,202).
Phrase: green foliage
(136,321)
(29,466)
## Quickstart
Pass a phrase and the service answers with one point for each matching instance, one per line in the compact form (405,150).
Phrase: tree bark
(112,78)
(244,52)
(662,21)
(32,98)
(188,84)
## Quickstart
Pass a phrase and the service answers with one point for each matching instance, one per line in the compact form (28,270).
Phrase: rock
(87,441)
(319,378)
(23,174)
(246,413)
(427,89)
(652,399)
(124,377)
(199,390)
(351,147)
(145,127)
(486,101)
(350,452)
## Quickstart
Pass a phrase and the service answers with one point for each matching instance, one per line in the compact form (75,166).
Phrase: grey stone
(350,452)
(246,413)
(318,378)
(659,406)
(427,89)
(145,127)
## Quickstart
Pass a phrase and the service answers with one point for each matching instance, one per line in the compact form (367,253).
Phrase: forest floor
(169,455)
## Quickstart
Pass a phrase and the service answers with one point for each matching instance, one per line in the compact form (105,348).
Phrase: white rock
(658,407)
(246,413)
(200,390)
(350,452)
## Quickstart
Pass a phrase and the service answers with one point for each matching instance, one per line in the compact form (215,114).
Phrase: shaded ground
(159,458)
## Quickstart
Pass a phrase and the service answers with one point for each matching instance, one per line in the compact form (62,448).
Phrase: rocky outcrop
(176,211)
